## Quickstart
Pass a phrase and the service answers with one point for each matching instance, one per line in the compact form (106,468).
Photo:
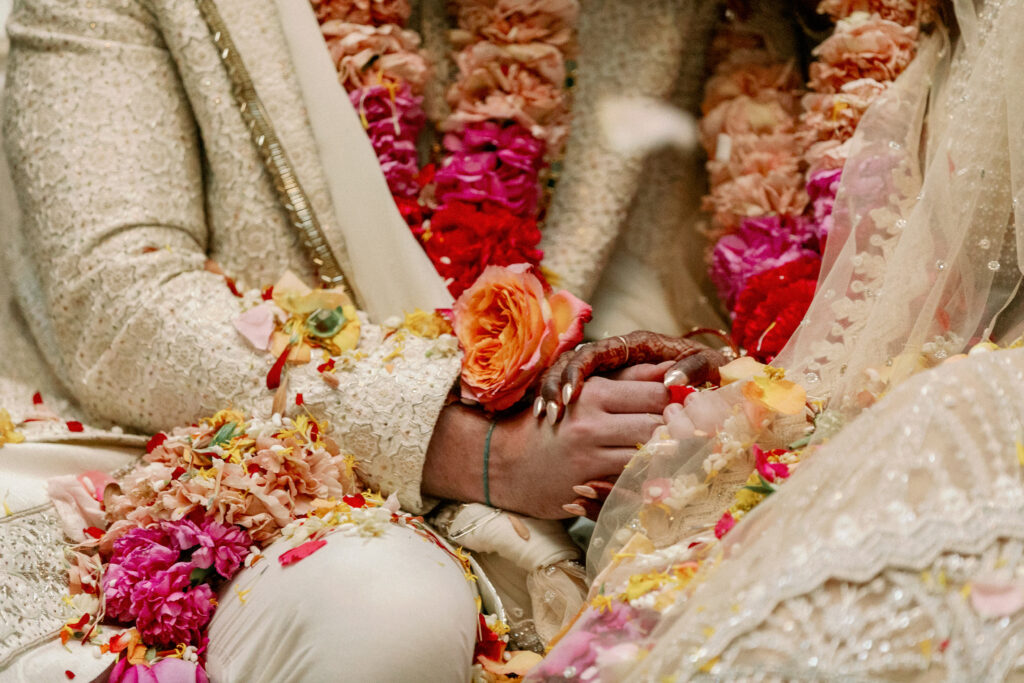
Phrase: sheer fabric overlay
(830,576)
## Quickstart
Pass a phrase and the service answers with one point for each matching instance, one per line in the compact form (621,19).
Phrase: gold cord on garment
(293,198)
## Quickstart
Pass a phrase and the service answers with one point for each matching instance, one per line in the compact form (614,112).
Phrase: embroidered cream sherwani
(133,166)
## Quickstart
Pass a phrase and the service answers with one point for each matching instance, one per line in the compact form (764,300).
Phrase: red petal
(678,393)
(268,293)
(93,531)
(301,552)
(155,441)
(70,674)
(329,365)
(356,501)
(74,426)
(233,287)
(298,399)
(37,399)
(274,376)
(80,623)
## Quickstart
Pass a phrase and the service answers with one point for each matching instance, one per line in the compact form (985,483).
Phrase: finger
(645,372)
(551,384)
(696,367)
(613,460)
(680,426)
(600,487)
(628,396)
(708,410)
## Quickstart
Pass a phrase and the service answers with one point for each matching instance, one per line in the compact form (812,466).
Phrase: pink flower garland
(774,175)
(509,115)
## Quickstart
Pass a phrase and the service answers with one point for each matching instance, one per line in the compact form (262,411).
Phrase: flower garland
(775,158)
(203,503)
(482,202)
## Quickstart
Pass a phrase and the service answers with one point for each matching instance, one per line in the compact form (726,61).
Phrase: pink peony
(760,244)
(168,670)
(492,162)
(511,331)
(862,47)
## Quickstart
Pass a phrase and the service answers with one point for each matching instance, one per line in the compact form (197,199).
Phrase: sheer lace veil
(923,260)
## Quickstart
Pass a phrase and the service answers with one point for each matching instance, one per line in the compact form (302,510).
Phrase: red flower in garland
(463,239)
(771,306)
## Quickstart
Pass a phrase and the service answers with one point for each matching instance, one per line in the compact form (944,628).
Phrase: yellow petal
(778,395)
(742,368)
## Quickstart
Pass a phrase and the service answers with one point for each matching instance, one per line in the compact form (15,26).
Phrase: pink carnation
(170,610)
(221,546)
(492,162)
(821,189)
(393,120)
(363,11)
(862,47)
(363,54)
(760,244)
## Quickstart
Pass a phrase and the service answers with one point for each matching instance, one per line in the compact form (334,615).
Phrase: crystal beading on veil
(896,548)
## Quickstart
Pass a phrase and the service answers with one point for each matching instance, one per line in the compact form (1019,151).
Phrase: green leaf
(198,575)
(764,488)
(224,434)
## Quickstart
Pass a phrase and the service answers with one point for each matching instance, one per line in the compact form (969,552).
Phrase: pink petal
(301,552)
(996,598)
(256,325)
(172,670)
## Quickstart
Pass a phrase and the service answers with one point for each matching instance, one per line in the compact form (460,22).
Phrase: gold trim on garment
(293,198)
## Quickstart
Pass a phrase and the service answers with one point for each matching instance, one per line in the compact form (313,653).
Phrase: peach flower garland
(512,329)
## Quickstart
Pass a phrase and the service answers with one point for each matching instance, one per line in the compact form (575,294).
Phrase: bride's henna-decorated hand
(561,384)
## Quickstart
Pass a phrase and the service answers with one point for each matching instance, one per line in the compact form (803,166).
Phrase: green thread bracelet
(487,463)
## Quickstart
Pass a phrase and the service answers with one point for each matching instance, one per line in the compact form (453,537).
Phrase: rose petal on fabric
(301,552)
(724,525)
(256,325)
(997,597)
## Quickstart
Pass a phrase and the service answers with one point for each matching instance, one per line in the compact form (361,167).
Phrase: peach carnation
(755,195)
(835,116)
(904,12)
(511,330)
(769,113)
(761,154)
(517,21)
(730,81)
(364,54)
(862,47)
(522,83)
(363,11)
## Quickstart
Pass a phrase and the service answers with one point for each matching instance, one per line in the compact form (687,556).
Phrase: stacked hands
(594,406)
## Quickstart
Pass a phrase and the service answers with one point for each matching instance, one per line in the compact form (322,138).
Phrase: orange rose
(511,330)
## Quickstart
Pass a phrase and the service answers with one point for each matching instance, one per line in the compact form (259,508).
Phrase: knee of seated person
(393,607)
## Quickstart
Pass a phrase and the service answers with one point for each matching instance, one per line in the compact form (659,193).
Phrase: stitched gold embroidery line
(290,192)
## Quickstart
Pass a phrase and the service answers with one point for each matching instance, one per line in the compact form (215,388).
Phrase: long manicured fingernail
(676,376)
(567,393)
(575,509)
(552,412)
(538,406)
(585,491)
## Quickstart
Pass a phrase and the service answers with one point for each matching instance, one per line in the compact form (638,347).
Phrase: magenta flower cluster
(490,161)
(152,577)
(759,245)
(393,118)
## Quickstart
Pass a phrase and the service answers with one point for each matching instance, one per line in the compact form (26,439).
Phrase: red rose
(463,239)
(771,306)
